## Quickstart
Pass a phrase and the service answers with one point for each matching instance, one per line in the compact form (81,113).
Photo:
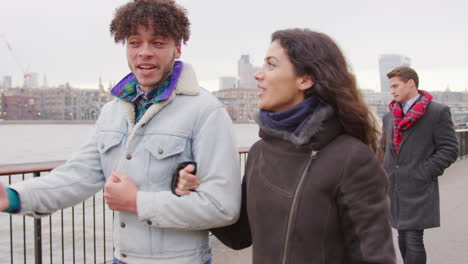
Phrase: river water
(45,142)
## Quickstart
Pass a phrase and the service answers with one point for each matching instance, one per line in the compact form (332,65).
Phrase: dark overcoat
(429,146)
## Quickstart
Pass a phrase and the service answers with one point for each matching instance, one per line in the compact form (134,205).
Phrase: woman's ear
(305,82)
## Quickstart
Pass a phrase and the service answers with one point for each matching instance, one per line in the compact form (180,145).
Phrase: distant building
(33,80)
(388,62)
(227,83)
(63,103)
(45,84)
(6,82)
(19,107)
(375,102)
(1,106)
(246,73)
(240,103)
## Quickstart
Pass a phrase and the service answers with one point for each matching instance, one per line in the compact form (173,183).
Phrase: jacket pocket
(418,179)
(166,152)
(108,140)
(429,170)
(164,146)
(109,145)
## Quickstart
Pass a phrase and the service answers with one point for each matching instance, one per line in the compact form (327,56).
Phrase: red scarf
(402,122)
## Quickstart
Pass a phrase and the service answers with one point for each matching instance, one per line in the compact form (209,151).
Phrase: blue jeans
(412,246)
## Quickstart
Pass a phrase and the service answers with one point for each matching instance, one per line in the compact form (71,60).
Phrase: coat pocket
(166,152)
(109,145)
(164,146)
(108,140)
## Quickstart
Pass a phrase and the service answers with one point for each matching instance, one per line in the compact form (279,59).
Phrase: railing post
(37,235)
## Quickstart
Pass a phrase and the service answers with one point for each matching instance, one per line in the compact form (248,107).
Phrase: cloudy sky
(69,41)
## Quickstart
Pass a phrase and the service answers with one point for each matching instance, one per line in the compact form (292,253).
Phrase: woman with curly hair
(313,189)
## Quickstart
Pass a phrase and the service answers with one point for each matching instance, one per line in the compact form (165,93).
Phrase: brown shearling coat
(320,197)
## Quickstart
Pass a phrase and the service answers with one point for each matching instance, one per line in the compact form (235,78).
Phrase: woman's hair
(165,17)
(315,54)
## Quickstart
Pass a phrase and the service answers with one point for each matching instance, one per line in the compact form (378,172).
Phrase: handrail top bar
(20,168)
(243,150)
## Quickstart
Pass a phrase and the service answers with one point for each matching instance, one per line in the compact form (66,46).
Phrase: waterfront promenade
(445,245)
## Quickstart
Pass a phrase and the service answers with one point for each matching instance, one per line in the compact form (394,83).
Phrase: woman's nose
(258,75)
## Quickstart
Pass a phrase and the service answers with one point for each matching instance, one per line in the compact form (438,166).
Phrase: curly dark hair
(315,54)
(164,16)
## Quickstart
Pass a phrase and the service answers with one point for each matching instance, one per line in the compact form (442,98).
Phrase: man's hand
(121,193)
(4,202)
(186,181)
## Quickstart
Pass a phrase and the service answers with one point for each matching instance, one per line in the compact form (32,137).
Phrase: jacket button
(123,255)
(102,146)
(149,222)
(160,151)
(397,166)
(122,225)
(129,156)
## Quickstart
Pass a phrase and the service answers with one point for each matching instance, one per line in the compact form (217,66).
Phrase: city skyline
(72,43)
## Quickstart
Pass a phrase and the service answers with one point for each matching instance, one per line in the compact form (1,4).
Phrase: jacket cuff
(14,201)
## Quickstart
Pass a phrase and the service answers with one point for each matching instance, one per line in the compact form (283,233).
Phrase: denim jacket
(191,125)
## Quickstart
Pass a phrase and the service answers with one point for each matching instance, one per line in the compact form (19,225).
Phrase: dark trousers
(412,246)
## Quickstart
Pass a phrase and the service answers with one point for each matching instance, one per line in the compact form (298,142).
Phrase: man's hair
(405,73)
(165,17)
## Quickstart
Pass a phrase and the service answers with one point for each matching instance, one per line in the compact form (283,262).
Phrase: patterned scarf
(126,90)
(402,122)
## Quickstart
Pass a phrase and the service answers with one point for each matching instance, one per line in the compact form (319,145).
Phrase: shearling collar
(319,129)
(186,85)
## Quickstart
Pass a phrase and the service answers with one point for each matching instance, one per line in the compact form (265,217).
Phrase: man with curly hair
(160,118)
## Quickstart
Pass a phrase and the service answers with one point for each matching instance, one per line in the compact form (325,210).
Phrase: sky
(69,41)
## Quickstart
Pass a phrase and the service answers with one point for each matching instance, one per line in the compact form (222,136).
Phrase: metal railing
(76,229)
(79,234)
(54,238)
(462,136)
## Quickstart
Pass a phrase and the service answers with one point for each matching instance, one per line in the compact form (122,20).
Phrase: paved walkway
(445,245)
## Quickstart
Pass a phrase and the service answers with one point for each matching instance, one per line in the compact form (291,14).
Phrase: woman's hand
(186,181)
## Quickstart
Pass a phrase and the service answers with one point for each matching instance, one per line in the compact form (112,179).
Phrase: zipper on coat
(293,206)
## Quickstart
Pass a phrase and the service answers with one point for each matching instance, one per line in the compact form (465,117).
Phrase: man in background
(419,144)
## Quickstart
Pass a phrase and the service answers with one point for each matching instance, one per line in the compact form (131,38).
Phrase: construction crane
(25,72)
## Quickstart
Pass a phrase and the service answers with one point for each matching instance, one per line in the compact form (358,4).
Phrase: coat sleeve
(73,182)
(217,200)
(364,209)
(236,236)
(445,144)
